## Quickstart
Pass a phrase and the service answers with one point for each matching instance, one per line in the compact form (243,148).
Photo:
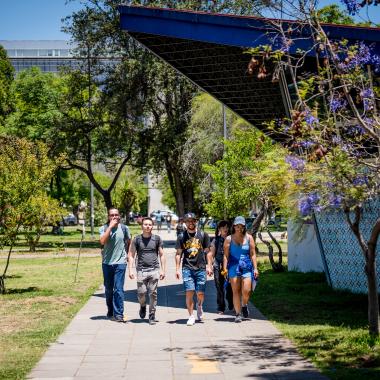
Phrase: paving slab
(93,347)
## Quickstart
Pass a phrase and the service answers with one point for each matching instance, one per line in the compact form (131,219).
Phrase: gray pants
(147,283)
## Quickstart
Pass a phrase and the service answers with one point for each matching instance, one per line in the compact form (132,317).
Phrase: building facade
(48,55)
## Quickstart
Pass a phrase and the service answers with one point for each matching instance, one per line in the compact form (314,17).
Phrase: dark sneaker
(109,314)
(152,319)
(245,311)
(142,312)
(119,318)
(238,318)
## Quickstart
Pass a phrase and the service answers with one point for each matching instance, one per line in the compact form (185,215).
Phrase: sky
(34,19)
(41,19)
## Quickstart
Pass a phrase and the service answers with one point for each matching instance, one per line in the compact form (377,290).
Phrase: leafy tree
(252,169)
(140,83)
(333,14)
(43,212)
(130,193)
(25,170)
(6,78)
(36,105)
(334,134)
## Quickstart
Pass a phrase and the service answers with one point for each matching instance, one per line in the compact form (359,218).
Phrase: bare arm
(131,259)
(211,255)
(210,259)
(226,249)
(252,252)
(163,263)
(178,262)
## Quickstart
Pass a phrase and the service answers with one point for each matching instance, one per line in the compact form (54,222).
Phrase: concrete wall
(155,195)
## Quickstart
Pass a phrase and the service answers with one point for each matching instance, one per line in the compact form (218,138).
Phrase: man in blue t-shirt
(115,239)
(159,217)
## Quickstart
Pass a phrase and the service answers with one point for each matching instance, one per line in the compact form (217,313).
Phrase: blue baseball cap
(239,220)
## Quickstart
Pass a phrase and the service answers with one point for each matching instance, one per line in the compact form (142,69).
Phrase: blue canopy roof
(210,50)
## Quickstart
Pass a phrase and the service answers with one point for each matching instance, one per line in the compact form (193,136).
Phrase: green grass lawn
(69,240)
(329,327)
(41,300)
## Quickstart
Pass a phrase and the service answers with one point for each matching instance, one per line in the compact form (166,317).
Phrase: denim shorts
(234,272)
(194,279)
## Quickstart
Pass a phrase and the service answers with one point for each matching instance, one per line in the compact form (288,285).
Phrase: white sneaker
(191,320)
(199,312)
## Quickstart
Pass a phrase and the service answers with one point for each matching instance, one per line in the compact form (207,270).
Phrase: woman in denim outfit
(240,261)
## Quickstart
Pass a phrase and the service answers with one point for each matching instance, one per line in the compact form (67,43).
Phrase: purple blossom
(310,119)
(296,163)
(335,200)
(354,130)
(337,140)
(307,144)
(298,181)
(353,6)
(309,203)
(369,122)
(367,95)
(360,181)
(337,104)
(364,57)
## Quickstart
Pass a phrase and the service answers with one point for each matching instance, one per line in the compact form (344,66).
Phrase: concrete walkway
(92,347)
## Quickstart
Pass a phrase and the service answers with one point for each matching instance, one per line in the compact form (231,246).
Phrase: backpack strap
(137,242)
(157,239)
(125,230)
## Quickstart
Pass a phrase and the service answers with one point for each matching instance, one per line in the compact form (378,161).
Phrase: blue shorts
(194,279)
(244,273)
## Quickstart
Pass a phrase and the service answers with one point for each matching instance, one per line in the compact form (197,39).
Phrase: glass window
(64,52)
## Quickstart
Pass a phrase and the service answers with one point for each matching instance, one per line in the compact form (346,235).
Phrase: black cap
(189,215)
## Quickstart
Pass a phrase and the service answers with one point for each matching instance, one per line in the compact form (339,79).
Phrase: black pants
(220,291)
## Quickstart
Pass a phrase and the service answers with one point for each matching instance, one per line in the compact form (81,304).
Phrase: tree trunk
(178,194)
(279,265)
(369,252)
(373,297)
(2,277)
(107,199)
(189,198)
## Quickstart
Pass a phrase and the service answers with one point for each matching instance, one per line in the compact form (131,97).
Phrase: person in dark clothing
(215,261)
(180,228)
(191,249)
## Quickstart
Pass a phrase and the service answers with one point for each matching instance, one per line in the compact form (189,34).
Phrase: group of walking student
(231,258)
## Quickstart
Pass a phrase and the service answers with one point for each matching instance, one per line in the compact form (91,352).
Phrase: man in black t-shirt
(193,247)
(149,249)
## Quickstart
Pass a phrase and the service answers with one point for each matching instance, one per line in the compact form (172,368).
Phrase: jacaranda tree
(334,129)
